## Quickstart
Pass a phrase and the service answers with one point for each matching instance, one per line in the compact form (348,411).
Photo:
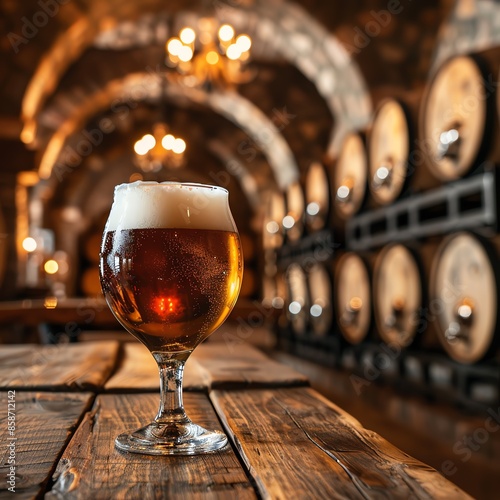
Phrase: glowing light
(50,302)
(226,33)
(51,266)
(166,306)
(233,52)
(312,208)
(449,136)
(187,35)
(149,141)
(185,53)
(272,227)
(382,173)
(278,303)
(141,148)
(343,193)
(179,146)
(29,244)
(168,142)
(316,311)
(174,46)
(244,42)
(212,57)
(288,222)
(355,303)
(294,307)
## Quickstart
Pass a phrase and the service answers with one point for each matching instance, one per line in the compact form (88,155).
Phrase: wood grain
(84,312)
(44,423)
(297,444)
(243,366)
(59,367)
(138,372)
(212,365)
(92,468)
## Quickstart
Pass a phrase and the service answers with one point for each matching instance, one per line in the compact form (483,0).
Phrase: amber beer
(170,276)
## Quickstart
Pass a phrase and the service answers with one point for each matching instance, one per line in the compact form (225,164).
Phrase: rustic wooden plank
(43,425)
(57,367)
(91,467)
(241,365)
(297,444)
(80,311)
(212,365)
(138,372)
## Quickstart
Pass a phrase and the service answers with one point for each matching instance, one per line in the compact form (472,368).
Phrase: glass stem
(171,367)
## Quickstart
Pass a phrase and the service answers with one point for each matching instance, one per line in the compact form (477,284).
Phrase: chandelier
(159,149)
(210,56)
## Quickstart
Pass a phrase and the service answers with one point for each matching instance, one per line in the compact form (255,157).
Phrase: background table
(286,440)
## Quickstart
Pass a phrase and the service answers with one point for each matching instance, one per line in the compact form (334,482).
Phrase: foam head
(141,205)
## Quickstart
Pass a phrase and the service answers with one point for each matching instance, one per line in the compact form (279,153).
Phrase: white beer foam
(141,205)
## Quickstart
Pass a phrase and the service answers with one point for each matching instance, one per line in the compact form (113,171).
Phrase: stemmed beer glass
(171,269)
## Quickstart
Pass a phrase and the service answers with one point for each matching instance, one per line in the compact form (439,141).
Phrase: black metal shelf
(464,204)
(319,245)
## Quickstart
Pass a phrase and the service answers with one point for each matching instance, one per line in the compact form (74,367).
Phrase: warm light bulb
(179,146)
(212,57)
(29,244)
(185,53)
(187,35)
(51,266)
(288,222)
(174,46)
(140,148)
(149,141)
(244,42)
(226,33)
(272,227)
(168,142)
(233,52)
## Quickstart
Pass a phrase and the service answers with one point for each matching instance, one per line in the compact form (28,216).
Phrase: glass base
(171,439)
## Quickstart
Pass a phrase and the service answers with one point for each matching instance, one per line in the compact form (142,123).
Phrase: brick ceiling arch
(280,29)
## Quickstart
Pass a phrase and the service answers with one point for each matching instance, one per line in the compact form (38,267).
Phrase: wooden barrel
(352,297)
(272,228)
(320,293)
(464,284)
(349,175)
(317,197)
(456,118)
(293,222)
(298,299)
(389,147)
(398,295)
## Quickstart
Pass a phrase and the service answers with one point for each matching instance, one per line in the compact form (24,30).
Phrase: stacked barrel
(437,292)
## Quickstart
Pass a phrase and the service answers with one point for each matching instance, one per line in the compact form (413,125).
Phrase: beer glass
(171,269)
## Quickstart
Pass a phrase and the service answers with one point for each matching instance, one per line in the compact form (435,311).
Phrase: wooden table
(286,440)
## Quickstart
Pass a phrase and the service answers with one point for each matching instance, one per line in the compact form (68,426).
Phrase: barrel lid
(293,222)
(273,221)
(454,117)
(389,150)
(352,297)
(397,293)
(298,304)
(317,196)
(320,290)
(464,294)
(349,180)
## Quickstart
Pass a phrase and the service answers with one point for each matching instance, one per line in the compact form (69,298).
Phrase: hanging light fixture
(159,149)
(210,56)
